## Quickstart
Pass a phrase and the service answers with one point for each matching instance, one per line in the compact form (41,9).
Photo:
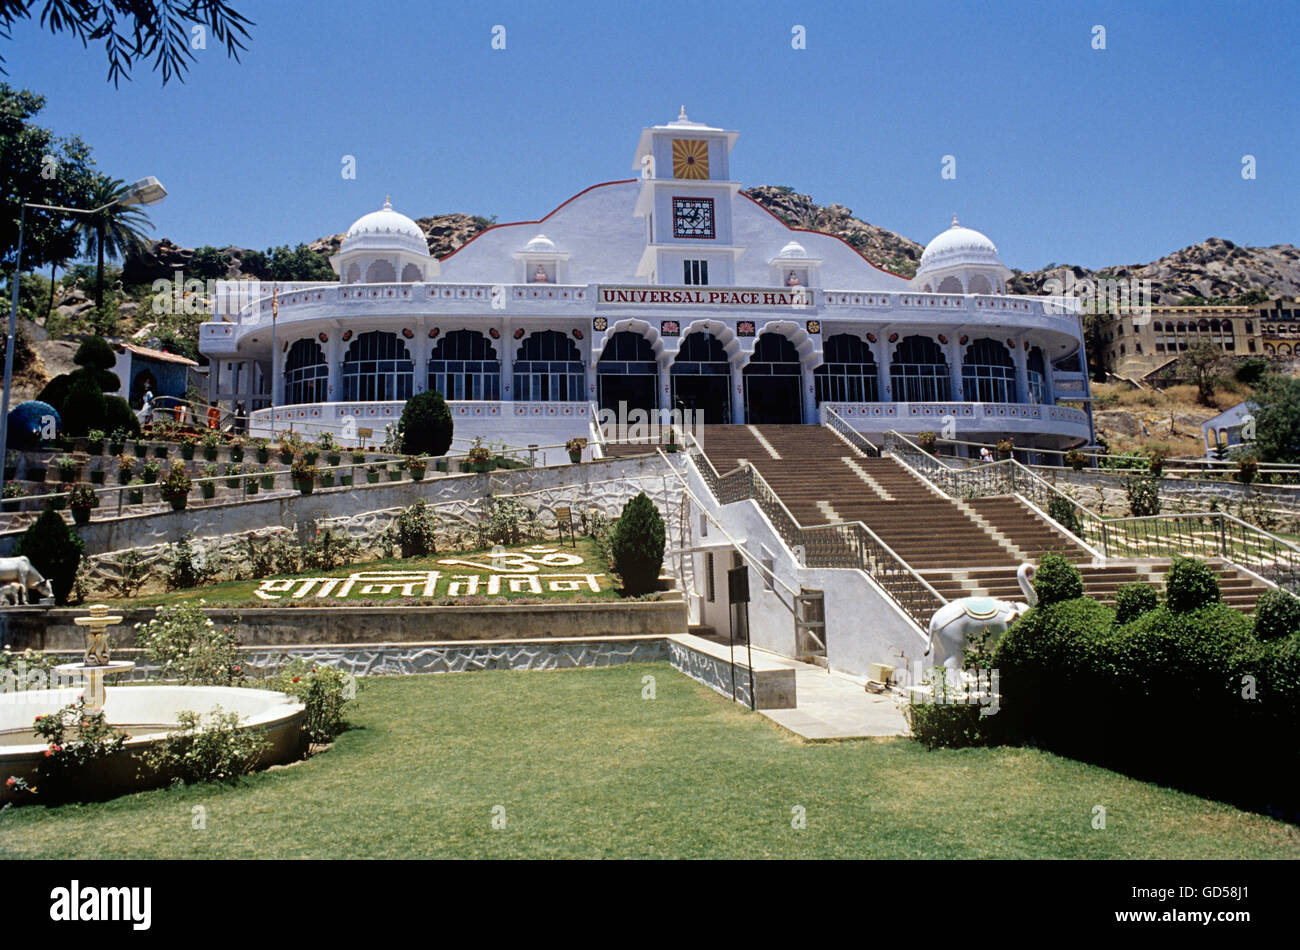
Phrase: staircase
(962,548)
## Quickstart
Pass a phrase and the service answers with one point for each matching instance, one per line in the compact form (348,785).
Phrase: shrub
(945,726)
(1063,513)
(132,573)
(507,521)
(1076,459)
(177,483)
(55,550)
(1133,600)
(190,648)
(75,738)
(416,530)
(1277,615)
(1190,584)
(327,548)
(1143,495)
(188,565)
(1247,469)
(1056,580)
(324,690)
(425,427)
(273,554)
(638,545)
(212,748)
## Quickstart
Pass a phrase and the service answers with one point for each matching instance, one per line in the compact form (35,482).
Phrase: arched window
(979,284)
(1037,375)
(377,368)
(306,374)
(950,285)
(381,272)
(848,371)
(549,368)
(354,273)
(627,373)
(1156,326)
(988,374)
(464,365)
(918,371)
(411,274)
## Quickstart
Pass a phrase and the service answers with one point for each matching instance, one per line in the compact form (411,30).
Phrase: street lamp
(146,191)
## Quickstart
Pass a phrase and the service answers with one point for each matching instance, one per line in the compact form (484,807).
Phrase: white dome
(959,246)
(385,229)
(540,245)
(793,250)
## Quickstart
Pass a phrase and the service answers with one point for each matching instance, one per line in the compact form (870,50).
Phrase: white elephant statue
(963,621)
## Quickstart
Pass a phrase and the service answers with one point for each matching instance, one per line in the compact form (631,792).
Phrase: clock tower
(685,198)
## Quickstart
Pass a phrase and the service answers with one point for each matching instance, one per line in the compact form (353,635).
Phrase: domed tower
(384,247)
(961,261)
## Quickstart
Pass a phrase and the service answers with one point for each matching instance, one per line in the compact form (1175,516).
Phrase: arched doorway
(848,371)
(773,382)
(144,382)
(306,374)
(627,373)
(549,368)
(464,365)
(377,368)
(701,379)
(988,373)
(918,371)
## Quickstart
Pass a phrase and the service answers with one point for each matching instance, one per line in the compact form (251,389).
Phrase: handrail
(833,420)
(843,544)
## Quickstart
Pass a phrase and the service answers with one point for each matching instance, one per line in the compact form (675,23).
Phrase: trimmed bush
(190,648)
(1277,615)
(1143,495)
(1057,580)
(1190,585)
(638,545)
(425,427)
(1063,513)
(55,550)
(416,530)
(1133,600)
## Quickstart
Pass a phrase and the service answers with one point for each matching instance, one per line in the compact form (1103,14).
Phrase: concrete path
(832,706)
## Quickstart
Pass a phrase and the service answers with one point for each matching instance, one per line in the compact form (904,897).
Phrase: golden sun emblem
(690,158)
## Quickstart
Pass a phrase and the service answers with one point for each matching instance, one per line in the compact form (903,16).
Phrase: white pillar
(737,394)
(1022,375)
(334,360)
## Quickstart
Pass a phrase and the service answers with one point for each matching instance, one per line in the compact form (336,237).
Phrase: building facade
(667,290)
(1136,344)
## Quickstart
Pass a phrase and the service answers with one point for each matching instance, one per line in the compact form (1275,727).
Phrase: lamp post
(146,191)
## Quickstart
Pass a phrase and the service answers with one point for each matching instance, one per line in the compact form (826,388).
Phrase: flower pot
(97,477)
(310,456)
(210,453)
(123,478)
(670,447)
(208,490)
(440,465)
(81,515)
(345,481)
(394,476)
(178,502)
(250,487)
(141,449)
(135,496)
(372,477)
(160,451)
(264,455)
(268,482)
(327,480)
(305,486)
(58,503)
(333,458)
(36,474)
(187,452)
(116,448)
(236,453)
(232,483)
(95,448)
(483,467)
(150,477)
(286,458)
(575,456)
(417,474)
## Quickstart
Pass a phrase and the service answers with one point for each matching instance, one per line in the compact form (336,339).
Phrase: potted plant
(416,464)
(97,476)
(303,473)
(135,492)
(176,486)
(125,468)
(1005,448)
(188,444)
(288,447)
(479,457)
(358,458)
(928,441)
(13,496)
(346,480)
(211,442)
(95,441)
(327,478)
(232,472)
(395,472)
(117,441)
(151,470)
(69,468)
(372,473)
(60,499)
(574,447)
(310,455)
(250,483)
(207,480)
(263,450)
(268,478)
(1076,459)
(236,449)
(81,499)
(325,443)
(160,450)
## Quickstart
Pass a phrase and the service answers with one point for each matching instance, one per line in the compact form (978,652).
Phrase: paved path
(832,706)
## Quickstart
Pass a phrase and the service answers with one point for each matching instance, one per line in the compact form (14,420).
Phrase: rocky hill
(1213,270)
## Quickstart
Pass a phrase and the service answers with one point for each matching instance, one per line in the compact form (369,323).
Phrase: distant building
(1280,328)
(1136,344)
(141,368)
(1223,433)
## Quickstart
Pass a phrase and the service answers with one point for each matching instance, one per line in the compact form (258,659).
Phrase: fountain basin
(145,713)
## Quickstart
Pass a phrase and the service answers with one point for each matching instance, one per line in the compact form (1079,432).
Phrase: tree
(113,231)
(637,545)
(80,397)
(425,427)
(136,29)
(55,550)
(1277,420)
(1203,362)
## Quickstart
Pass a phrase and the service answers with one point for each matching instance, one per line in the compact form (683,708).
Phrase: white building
(670,289)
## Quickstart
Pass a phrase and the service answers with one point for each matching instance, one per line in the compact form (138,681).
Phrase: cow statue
(19,570)
(963,621)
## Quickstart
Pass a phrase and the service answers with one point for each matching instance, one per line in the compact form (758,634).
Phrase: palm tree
(113,231)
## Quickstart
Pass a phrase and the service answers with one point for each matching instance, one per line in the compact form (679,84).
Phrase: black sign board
(738,585)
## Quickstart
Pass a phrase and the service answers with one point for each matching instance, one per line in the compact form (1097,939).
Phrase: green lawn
(584,767)
(242,593)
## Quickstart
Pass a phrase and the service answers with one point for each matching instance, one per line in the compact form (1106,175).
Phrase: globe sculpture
(27,422)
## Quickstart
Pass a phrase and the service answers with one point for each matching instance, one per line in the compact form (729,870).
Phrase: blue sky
(1063,153)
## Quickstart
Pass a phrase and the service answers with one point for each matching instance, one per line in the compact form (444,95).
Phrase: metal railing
(835,421)
(849,544)
(1207,534)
